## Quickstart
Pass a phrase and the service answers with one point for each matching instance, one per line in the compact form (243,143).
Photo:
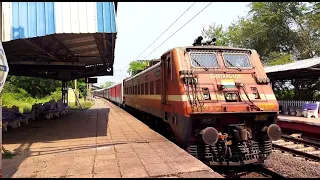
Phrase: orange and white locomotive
(216,101)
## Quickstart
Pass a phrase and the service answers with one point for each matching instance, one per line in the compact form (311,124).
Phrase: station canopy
(60,40)
(301,69)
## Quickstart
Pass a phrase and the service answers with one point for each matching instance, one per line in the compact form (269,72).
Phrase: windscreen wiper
(233,65)
(206,69)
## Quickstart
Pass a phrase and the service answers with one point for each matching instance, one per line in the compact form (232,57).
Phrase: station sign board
(4,68)
(91,80)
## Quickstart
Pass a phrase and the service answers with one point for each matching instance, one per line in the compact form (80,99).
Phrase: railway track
(299,147)
(248,171)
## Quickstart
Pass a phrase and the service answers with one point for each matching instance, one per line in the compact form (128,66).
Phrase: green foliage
(282,27)
(26,91)
(36,87)
(216,31)
(136,66)
(280,59)
(107,84)
(24,101)
(84,104)
(81,85)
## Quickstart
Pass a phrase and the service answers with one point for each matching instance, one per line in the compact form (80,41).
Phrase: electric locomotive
(217,102)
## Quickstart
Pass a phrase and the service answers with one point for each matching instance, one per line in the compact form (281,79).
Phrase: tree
(216,31)
(107,84)
(36,87)
(136,66)
(281,32)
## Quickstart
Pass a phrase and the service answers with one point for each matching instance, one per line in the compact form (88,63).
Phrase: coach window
(151,87)
(158,86)
(169,68)
(146,89)
(135,89)
(142,89)
(138,89)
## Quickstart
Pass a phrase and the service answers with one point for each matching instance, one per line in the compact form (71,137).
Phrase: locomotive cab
(228,111)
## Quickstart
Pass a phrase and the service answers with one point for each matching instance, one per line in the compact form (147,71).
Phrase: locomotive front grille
(242,153)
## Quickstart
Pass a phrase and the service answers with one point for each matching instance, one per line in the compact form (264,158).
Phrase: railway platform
(104,141)
(302,124)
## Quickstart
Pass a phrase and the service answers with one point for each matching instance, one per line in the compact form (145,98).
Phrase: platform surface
(303,120)
(104,141)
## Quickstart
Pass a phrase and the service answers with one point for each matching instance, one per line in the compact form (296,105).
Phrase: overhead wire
(166,29)
(179,29)
(164,32)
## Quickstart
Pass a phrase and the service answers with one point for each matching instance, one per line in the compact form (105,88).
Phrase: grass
(84,104)
(24,101)
(7,154)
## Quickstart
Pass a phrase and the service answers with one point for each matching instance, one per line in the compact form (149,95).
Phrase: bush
(24,101)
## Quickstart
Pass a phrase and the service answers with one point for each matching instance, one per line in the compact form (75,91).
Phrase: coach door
(165,79)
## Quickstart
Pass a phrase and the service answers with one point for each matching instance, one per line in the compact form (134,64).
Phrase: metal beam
(33,74)
(34,43)
(99,47)
(64,48)
(48,63)
(95,71)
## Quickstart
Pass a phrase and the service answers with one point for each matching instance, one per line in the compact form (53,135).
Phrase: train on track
(216,101)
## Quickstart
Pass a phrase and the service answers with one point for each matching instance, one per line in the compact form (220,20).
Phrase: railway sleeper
(307,149)
(317,152)
(279,141)
(285,143)
(295,146)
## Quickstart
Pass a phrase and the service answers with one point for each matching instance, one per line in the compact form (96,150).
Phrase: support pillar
(64,91)
(1,33)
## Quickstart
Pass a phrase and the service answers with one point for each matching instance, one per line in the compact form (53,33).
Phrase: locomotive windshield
(238,60)
(204,59)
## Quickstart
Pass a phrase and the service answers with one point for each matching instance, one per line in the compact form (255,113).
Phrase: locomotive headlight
(231,96)
(228,96)
(263,80)
(206,96)
(268,80)
(195,80)
(234,96)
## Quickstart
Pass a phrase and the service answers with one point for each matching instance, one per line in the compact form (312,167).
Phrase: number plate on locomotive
(261,117)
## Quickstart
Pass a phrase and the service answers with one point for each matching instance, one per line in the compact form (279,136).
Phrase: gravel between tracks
(292,167)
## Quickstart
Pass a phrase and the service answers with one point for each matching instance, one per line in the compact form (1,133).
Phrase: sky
(140,23)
